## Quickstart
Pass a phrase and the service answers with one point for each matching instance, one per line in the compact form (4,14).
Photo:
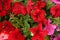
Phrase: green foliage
(56,33)
(34,0)
(4,18)
(47,38)
(17,0)
(49,4)
(56,21)
(22,22)
(25,2)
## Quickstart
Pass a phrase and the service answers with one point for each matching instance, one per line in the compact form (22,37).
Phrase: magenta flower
(50,28)
(58,29)
(56,1)
(57,37)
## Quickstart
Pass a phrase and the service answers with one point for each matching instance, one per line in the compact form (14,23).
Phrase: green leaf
(57,21)
(55,32)
(49,4)
(47,38)
(25,2)
(27,17)
(34,0)
(26,28)
(17,0)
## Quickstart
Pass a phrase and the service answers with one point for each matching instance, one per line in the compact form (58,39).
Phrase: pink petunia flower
(50,28)
(56,1)
(57,37)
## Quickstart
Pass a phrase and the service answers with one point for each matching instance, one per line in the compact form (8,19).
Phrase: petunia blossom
(50,28)
(18,8)
(57,37)
(29,7)
(56,1)
(7,4)
(38,33)
(38,15)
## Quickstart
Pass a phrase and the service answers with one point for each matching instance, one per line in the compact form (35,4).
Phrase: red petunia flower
(15,35)
(9,32)
(12,35)
(38,33)
(55,11)
(18,8)
(7,4)
(38,15)
(1,26)
(0,4)
(2,13)
(8,26)
(29,6)
(39,5)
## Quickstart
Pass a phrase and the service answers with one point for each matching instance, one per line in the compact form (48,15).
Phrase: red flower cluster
(38,15)
(32,6)
(35,10)
(17,8)
(9,32)
(55,11)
